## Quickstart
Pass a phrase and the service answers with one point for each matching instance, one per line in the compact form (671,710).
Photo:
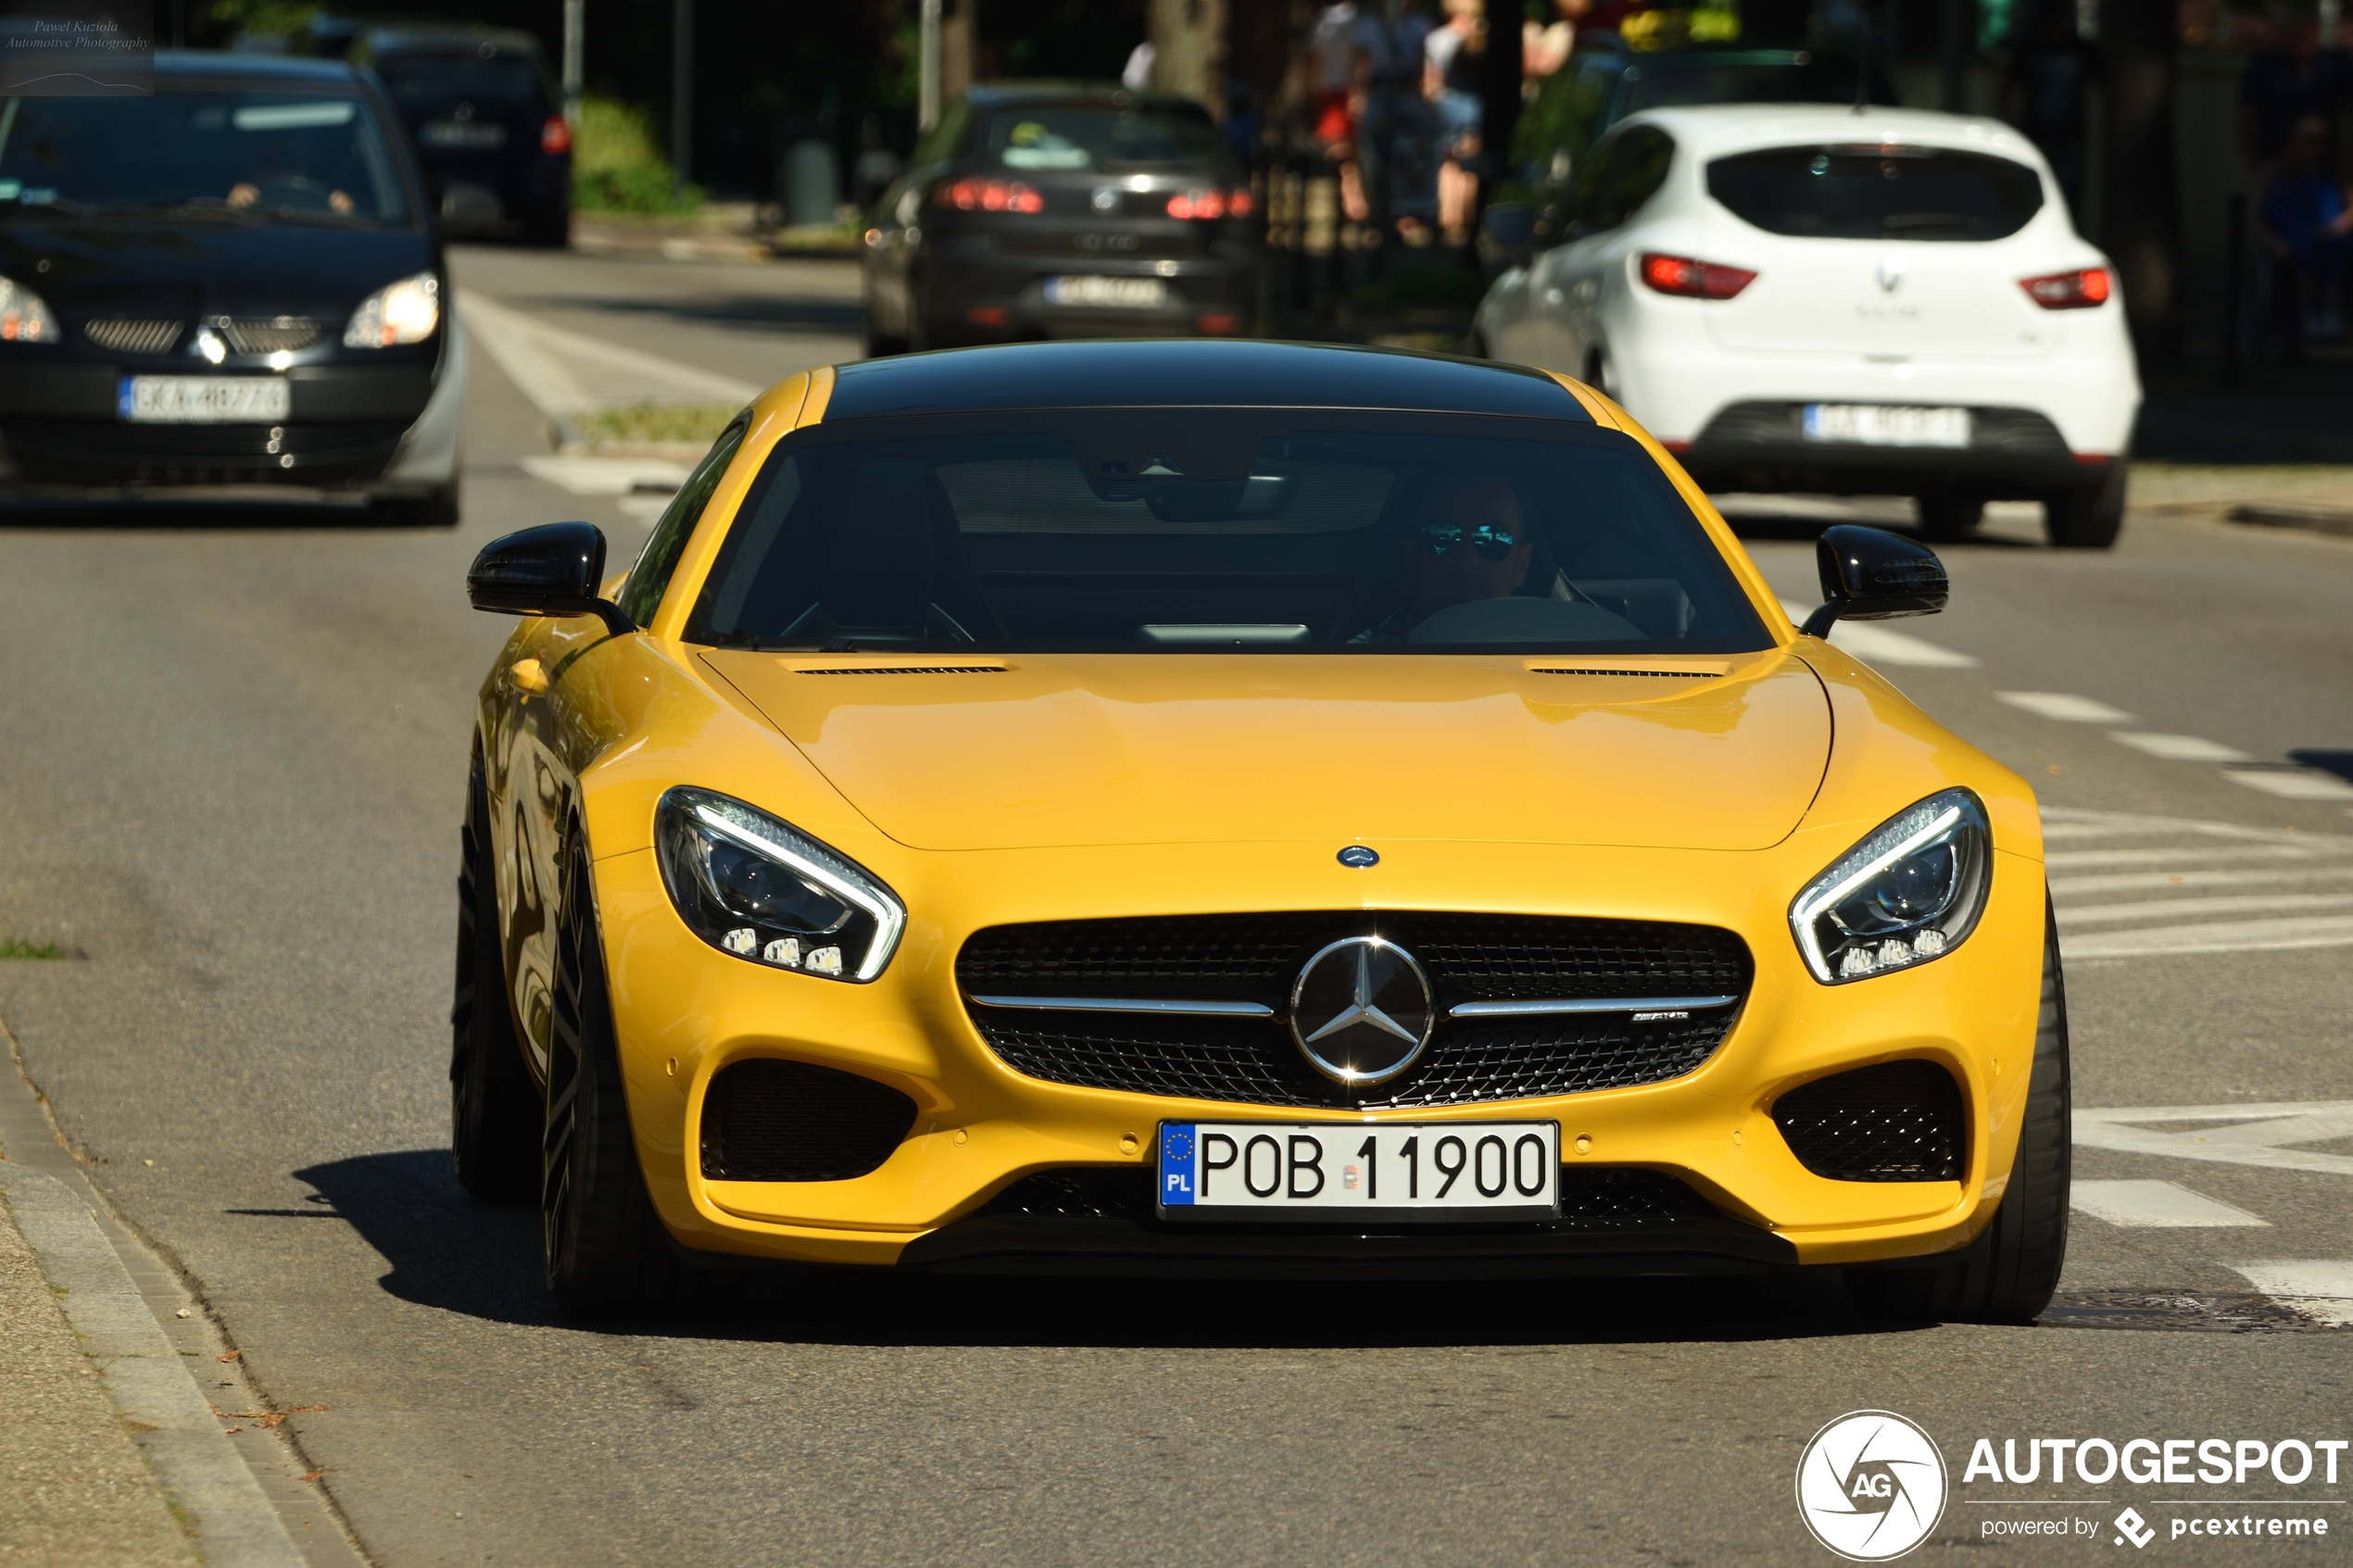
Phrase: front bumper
(1761,445)
(684,1011)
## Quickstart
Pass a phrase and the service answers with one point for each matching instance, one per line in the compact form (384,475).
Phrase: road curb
(233,1522)
(2333,521)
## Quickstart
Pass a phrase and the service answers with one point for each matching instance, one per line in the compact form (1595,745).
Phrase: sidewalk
(73,1488)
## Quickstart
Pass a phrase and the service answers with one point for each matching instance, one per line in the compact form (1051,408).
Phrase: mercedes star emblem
(1361,1011)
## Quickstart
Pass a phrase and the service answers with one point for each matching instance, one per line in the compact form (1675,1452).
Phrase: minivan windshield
(1242,530)
(1877,193)
(309,155)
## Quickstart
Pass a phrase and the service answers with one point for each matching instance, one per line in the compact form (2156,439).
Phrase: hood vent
(905,670)
(119,336)
(1580,670)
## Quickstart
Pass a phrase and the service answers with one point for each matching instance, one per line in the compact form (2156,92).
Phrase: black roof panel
(1192,373)
(179,64)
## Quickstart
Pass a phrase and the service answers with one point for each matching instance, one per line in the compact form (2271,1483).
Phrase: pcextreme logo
(1871,1485)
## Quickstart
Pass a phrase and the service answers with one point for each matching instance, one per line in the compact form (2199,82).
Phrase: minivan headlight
(407,311)
(762,890)
(24,315)
(1910,891)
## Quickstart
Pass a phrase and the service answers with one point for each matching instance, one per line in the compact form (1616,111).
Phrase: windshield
(1043,137)
(1877,192)
(1199,531)
(310,156)
(504,79)
(1815,81)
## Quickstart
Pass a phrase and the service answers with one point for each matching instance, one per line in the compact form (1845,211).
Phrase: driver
(1467,542)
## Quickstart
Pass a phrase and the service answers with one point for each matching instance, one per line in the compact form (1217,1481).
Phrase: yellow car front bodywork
(980,811)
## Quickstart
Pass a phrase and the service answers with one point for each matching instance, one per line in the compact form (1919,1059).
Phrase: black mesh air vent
(791,1122)
(1898,1122)
(1590,1195)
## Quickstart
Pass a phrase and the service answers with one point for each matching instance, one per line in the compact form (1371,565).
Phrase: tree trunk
(1189,50)
(2140,218)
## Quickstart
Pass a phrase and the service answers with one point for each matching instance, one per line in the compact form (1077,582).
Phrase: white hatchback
(1801,297)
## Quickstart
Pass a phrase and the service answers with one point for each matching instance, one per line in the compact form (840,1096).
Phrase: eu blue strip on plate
(1176,1162)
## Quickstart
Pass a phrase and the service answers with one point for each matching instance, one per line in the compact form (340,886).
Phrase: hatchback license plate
(203,400)
(1874,424)
(1336,1172)
(462,133)
(1123,294)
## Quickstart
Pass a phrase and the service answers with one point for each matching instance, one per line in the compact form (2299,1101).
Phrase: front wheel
(606,1252)
(436,508)
(2087,519)
(2009,1274)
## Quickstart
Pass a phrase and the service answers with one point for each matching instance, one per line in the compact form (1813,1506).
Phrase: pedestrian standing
(1451,59)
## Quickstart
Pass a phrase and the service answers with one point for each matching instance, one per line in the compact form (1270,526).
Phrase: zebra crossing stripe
(2144,886)
(2264,1135)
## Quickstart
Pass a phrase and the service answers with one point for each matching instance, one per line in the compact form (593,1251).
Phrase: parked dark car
(231,282)
(488,124)
(1047,209)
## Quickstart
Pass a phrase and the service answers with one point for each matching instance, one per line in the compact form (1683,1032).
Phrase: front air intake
(1897,1121)
(791,1122)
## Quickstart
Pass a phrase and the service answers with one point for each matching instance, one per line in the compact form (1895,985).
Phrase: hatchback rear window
(1049,138)
(1877,193)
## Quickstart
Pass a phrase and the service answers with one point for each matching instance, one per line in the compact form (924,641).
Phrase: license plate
(1125,293)
(1339,1172)
(1873,424)
(462,133)
(203,400)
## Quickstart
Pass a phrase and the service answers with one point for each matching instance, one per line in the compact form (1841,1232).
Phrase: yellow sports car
(1243,809)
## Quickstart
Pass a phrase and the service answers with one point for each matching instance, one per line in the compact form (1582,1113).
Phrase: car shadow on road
(450,1252)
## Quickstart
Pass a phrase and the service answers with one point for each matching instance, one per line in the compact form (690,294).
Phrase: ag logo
(1871,1485)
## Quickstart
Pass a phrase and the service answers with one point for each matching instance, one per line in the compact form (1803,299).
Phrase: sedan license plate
(1123,294)
(462,133)
(1335,1172)
(203,400)
(1874,424)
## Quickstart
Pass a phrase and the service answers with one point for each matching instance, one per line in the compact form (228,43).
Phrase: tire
(435,508)
(494,1106)
(874,344)
(1601,374)
(2087,519)
(607,1253)
(548,230)
(2007,1275)
(1946,517)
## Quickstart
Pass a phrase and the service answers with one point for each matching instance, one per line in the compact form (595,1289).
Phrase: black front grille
(1255,958)
(1897,1121)
(1591,1196)
(278,334)
(127,335)
(791,1122)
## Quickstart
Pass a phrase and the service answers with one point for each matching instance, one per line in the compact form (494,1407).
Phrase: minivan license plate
(1338,1171)
(203,400)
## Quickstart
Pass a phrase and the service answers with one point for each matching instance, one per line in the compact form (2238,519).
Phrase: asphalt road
(231,760)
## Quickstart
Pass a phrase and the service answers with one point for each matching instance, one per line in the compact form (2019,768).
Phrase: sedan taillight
(988,195)
(2079,290)
(1693,280)
(556,135)
(1210,204)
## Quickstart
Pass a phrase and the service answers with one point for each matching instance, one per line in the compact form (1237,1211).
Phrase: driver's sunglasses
(1442,539)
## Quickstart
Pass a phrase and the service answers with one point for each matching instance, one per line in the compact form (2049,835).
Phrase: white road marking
(2139,881)
(2291,783)
(2228,936)
(2181,749)
(608,476)
(2320,1289)
(2066,707)
(2260,1134)
(2156,1206)
(2251,904)
(2068,859)
(566,373)
(1874,644)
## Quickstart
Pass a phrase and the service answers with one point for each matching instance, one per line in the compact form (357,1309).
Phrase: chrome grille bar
(1539,1008)
(1130,1004)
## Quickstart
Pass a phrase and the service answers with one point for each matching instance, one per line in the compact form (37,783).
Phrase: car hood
(205,267)
(1045,751)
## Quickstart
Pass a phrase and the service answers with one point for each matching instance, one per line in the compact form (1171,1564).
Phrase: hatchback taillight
(1693,280)
(1210,204)
(2079,290)
(988,196)
(556,135)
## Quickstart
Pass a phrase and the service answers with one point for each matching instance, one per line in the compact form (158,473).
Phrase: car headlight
(407,311)
(753,886)
(24,315)
(1910,891)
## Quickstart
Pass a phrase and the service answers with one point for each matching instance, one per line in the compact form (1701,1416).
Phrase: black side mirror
(1506,233)
(1870,575)
(555,568)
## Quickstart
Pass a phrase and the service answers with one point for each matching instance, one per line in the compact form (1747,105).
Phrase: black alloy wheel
(2008,1272)
(1945,518)
(607,1253)
(494,1106)
(2087,519)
